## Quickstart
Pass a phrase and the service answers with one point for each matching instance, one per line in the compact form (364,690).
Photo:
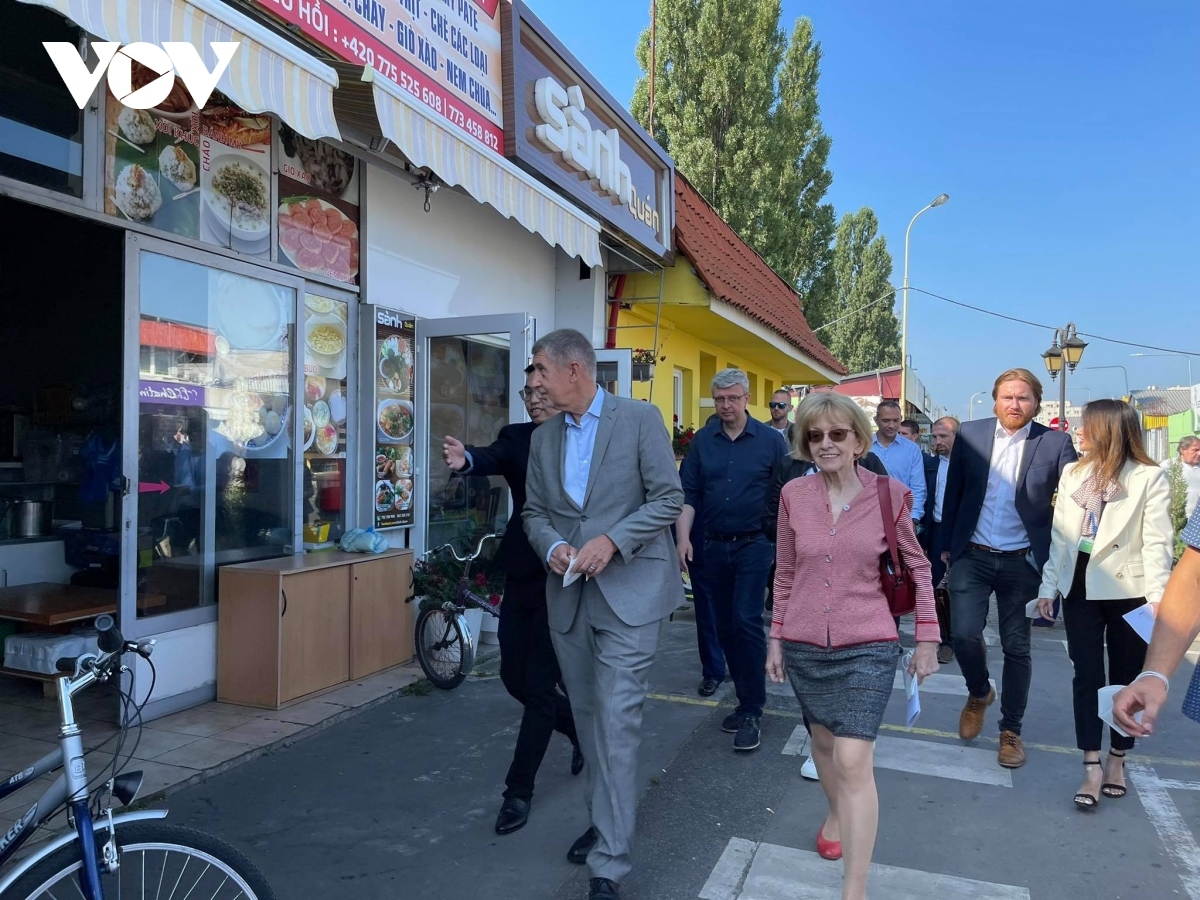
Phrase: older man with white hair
(1188,464)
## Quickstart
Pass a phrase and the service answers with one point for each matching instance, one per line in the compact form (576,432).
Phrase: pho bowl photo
(394,421)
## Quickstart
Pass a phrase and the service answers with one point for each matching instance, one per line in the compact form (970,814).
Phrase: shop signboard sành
(394,494)
(562,126)
(445,53)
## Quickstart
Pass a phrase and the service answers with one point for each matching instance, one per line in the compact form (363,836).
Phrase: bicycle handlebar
(464,559)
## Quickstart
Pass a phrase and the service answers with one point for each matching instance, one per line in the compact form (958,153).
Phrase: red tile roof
(739,276)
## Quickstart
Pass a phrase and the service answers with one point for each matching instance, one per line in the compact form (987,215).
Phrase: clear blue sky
(1068,137)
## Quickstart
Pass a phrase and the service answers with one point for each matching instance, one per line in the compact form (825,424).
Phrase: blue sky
(1068,137)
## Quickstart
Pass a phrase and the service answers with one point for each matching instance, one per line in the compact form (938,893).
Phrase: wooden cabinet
(289,628)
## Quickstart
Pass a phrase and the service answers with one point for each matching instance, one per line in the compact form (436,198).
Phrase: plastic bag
(359,540)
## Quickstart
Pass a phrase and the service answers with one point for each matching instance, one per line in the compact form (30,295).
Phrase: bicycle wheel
(157,861)
(441,650)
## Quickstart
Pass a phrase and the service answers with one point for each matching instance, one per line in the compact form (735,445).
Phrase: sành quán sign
(174,58)
(568,132)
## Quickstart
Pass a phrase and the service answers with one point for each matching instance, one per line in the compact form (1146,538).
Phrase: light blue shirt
(577,453)
(904,463)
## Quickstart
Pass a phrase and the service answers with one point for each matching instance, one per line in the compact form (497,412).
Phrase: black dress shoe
(733,722)
(603,889)
(576,760)
(708,687)
(579,851)
(513,815)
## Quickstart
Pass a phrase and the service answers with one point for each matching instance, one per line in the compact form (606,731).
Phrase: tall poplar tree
(735,104)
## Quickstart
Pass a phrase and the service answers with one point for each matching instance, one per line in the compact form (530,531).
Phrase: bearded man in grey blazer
(603,492)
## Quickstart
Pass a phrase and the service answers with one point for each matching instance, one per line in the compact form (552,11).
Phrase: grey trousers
(604,665)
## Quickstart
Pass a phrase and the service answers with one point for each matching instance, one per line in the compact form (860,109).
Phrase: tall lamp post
(971,405)
(1064,354)
(1124,372)
(1183,355)
(937,201)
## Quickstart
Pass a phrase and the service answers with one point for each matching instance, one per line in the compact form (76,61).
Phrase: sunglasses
(837,435)
(779,405)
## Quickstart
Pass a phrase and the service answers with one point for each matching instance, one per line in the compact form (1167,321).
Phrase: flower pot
(643,371)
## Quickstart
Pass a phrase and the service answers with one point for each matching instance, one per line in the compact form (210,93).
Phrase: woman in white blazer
(1110,552)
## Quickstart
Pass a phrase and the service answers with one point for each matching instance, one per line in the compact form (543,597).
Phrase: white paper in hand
(1142,620)
(1105,696)
(570,577)
(911,691)
(1031,610)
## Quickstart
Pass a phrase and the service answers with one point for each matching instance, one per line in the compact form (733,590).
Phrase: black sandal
(1088,801)
(1108,789)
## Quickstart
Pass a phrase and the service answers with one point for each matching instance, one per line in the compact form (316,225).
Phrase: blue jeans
(708,642)
(973,578)
(736,575)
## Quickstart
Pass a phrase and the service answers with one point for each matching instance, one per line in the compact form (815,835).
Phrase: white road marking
(939,684)
(783,873)
(1172,785)
(1173,833)
(920,757)
(725,882)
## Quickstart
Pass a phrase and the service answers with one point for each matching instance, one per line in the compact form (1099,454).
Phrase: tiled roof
(739,276)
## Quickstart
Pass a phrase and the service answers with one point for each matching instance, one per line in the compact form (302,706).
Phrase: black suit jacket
(1046,454)
(508,456)
(931,470)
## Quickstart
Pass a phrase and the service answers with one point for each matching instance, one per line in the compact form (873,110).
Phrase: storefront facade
(314,277)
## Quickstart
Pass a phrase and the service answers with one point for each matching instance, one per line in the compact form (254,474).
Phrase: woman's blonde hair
(836,407)
(1115,433)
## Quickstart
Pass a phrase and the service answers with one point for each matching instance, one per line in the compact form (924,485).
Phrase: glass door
(213,417)
(469,372)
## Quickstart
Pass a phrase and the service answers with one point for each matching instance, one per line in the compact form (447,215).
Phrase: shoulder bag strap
(889,520)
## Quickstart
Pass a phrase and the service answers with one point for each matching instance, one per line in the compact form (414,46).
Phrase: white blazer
(1132,554)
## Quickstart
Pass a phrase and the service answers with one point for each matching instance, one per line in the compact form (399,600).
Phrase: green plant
(644,357)
(1178,502)
(435,580)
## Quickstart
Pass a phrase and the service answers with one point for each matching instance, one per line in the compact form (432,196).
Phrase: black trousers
(939,572)
(529,670)
(1091,626)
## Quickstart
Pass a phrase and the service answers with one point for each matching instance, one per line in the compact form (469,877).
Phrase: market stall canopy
(381,107)
(266,74)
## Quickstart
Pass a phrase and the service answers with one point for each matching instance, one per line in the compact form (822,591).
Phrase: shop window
(326,413)
(215,462)
(41,128)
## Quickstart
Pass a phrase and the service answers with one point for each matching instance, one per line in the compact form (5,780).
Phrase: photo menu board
(395,420)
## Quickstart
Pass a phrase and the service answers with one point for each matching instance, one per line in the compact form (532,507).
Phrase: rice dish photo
(136,193)
(178,167)
(326,339)
(240,194)
(137,125)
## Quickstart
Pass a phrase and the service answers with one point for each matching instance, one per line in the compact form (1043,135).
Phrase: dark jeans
(1092,624)
(708,642)
(939,571)
(529,670)
(973,578)
(736,572)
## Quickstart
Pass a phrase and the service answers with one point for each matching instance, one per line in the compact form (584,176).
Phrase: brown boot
(970,723)
(1012,753)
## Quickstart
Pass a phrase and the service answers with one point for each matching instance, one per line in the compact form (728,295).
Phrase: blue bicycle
(109,856)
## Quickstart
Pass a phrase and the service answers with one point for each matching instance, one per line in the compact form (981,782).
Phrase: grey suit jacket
(633,496)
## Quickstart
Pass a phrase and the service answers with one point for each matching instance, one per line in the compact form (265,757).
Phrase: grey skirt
(844,689)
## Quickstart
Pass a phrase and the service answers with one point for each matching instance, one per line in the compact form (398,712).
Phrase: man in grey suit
(603,492)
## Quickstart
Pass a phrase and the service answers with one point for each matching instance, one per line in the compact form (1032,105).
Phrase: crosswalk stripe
(919,757)
(939,684)
(784,873)
(1174,834)
(727,874)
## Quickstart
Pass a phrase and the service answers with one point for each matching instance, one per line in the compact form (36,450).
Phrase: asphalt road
(400,802)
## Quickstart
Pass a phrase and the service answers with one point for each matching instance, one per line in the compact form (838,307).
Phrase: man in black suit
(528,665)
(995,537)
(944,431)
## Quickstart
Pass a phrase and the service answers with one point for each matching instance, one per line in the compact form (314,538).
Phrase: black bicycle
(445,646)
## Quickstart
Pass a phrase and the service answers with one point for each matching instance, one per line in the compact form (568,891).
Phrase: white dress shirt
(577,453)
(940,490)
(999,525)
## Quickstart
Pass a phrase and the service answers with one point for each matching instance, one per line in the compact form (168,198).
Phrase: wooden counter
(293,626)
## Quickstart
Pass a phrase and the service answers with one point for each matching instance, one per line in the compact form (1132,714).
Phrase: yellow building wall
(698,360)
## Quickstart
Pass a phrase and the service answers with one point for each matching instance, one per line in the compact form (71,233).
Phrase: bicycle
(444,643)
(109,856)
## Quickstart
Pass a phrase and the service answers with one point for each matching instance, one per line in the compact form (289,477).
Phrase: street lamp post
(971,405)
(937,201)
(1184,355)
(1124,372)
(1064,354)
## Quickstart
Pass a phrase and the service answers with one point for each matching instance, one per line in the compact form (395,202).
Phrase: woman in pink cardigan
(832,633)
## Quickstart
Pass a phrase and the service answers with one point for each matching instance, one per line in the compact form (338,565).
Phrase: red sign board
(1054,424)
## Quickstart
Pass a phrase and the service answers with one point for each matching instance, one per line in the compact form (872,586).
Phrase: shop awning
(267,74)
(382,106)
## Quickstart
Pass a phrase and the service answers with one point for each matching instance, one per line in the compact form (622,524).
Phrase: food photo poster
(394,496)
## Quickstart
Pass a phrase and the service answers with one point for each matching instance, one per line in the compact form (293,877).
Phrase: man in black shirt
(726,474)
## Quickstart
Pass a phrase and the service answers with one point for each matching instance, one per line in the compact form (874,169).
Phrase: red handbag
(899,586)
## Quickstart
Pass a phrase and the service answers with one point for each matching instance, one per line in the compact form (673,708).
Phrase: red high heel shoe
(826,848)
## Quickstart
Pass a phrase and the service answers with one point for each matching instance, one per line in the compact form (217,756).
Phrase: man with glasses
(726,475)
(528,665)
(780,406)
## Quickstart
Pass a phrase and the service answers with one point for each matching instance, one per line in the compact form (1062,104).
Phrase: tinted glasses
(774,405)
(837,435)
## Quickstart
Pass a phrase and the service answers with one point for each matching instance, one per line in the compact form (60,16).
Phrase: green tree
(862,333)
(1178,502)
(736,107)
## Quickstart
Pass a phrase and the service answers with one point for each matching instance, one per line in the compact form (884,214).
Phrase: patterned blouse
(827,588)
